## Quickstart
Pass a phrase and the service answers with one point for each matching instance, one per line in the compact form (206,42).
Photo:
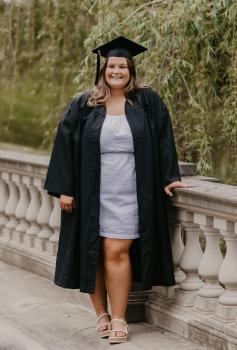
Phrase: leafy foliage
(191,62)
(40,49)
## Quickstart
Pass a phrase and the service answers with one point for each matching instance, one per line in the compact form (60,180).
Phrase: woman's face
(117,73)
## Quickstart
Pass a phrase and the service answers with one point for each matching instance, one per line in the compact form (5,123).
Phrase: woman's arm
(169,161)
(60,178)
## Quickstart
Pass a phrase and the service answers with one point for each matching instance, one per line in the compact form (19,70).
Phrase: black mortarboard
(119,47)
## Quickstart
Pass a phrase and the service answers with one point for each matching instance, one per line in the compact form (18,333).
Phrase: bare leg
(99,298)
(118,276)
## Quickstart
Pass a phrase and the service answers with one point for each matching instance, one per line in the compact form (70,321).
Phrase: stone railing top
(205,189)
(205,195)
(23,157)
(208,197)
(14,156)
(23,163)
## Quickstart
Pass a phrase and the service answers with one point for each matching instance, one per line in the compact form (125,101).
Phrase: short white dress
(118,193)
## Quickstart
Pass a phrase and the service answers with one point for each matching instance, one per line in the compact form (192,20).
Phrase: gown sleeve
(167,155)
(169,161)
(60,177)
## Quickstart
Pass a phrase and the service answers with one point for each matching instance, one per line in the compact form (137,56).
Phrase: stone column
(32,214)
(175,230)
(20,212)
(3,200)
(190,260)
(11,205)
(207,296)
(43,220)
(227,303)
(54,223)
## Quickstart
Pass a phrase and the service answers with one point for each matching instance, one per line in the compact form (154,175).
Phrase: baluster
(175,232)
(54,223)
(208,295)
(190,260)
(43,220)
(11,205)
(3,200)
(176,241)
(21,210)
(227,302)
(32,213)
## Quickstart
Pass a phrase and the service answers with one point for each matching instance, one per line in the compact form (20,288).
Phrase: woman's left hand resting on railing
(67,203)
(175,184)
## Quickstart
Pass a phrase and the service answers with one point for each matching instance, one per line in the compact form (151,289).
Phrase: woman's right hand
(67,203)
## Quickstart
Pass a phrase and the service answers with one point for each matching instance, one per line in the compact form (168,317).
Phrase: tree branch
(141,7)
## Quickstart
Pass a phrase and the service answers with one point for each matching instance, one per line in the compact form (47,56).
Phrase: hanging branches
(191,62)
(41,45)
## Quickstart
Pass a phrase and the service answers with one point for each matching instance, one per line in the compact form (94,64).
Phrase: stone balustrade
(29,217)
(203,303)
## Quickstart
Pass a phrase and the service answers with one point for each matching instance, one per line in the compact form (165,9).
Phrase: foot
(103,322)
(119,330)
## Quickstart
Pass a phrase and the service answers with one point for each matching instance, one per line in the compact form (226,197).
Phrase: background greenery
(45,58)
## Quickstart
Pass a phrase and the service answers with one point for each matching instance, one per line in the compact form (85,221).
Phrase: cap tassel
(97,77)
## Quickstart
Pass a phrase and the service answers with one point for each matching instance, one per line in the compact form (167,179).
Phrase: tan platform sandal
(119,339)
(105,332)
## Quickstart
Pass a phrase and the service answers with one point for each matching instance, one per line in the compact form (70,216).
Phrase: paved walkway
(37,315)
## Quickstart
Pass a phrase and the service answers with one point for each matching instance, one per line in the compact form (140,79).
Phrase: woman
(113,162)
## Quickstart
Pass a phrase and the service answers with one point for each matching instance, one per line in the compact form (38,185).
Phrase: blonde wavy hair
(101,92)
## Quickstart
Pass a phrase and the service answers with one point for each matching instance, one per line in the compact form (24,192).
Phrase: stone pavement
(37,315)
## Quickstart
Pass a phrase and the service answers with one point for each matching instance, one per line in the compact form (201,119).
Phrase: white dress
(118,193)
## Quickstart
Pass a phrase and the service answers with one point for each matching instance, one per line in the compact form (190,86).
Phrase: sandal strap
(102,325)
(123,322)
(102,315)
(119,330)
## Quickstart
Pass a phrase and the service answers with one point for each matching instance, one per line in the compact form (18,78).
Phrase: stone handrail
(29,217)
(203,303)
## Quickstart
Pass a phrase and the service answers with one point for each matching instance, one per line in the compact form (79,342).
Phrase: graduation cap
(118,47)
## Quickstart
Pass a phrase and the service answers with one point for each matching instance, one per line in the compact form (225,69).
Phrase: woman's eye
(122,67)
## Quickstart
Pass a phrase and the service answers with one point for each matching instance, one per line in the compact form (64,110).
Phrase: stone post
(3,200)
(227,303)
(211,261)
(20,213)
(32,214)
(175,230)
(43,220)
(54,223)
(190,260)
(11,205)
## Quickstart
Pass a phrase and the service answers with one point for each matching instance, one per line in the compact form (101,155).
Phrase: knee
(115,255)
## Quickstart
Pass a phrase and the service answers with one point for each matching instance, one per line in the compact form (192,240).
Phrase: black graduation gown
(74,170)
